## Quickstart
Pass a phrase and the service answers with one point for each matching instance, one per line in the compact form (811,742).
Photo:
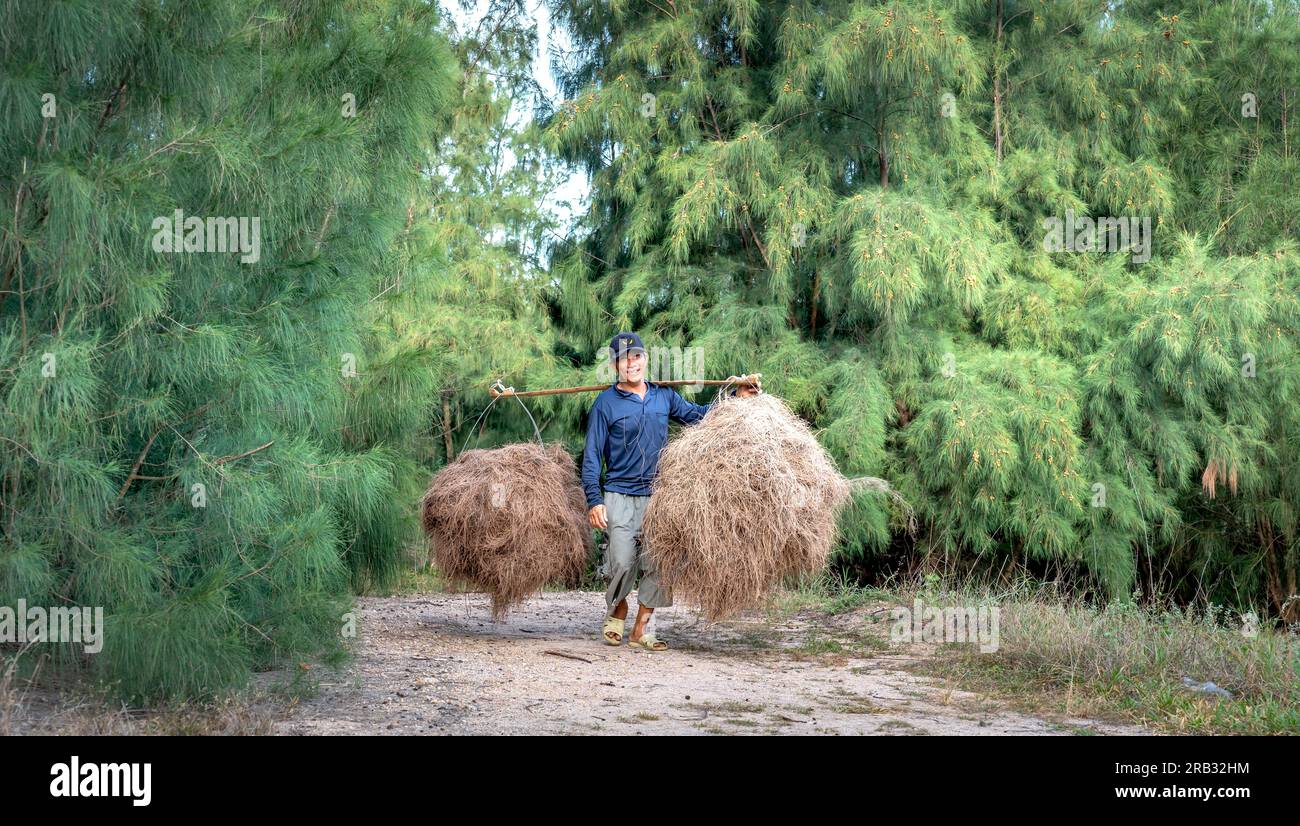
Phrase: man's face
(631,367)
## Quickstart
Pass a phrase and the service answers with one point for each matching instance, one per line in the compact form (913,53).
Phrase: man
(626,429)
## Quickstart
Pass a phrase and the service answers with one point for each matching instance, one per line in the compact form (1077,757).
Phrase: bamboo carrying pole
(497,391)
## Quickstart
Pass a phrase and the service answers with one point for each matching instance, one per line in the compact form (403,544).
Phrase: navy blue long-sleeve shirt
(627,433)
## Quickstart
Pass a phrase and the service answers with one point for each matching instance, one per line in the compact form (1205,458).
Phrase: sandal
(613,631)
(649,643)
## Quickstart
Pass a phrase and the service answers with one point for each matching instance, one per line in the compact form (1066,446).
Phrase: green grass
(831,596)
(1128,662)
(1057,654)
(711,729)
(816,644)
(858,707)
(732,707)
(901,727)
(420,579)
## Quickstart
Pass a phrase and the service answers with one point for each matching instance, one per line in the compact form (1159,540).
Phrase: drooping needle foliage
(875,204)
(211,444)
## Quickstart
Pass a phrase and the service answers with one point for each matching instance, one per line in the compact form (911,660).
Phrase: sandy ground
(438,664)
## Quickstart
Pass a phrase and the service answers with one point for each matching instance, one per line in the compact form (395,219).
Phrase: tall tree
(851,196)
(210,444)
(490,194)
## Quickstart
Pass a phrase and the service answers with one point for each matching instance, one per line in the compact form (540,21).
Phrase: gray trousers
(623,557)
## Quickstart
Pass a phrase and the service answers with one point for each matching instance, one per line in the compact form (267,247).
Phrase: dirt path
(437,664)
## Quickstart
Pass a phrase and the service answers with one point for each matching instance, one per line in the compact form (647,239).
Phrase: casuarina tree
(207,408)
(1034,263)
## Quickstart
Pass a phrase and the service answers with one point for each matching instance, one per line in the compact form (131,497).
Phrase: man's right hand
(596,516)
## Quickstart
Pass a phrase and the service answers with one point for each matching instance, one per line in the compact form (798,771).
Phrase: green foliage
(850,196)
(181,441)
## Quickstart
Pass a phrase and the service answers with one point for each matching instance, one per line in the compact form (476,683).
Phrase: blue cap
(624,343)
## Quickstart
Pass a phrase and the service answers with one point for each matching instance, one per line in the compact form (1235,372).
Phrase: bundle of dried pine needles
(507,521)
(743,499)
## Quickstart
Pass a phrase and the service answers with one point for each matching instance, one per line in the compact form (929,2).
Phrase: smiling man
(626,429)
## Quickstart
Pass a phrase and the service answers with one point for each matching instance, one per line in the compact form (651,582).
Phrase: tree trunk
(1288,608)
(446,425)
(882,154)
(997,82)
(816,288)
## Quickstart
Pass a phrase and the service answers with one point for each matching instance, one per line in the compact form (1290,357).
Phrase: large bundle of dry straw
(743,500)
(507,521)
